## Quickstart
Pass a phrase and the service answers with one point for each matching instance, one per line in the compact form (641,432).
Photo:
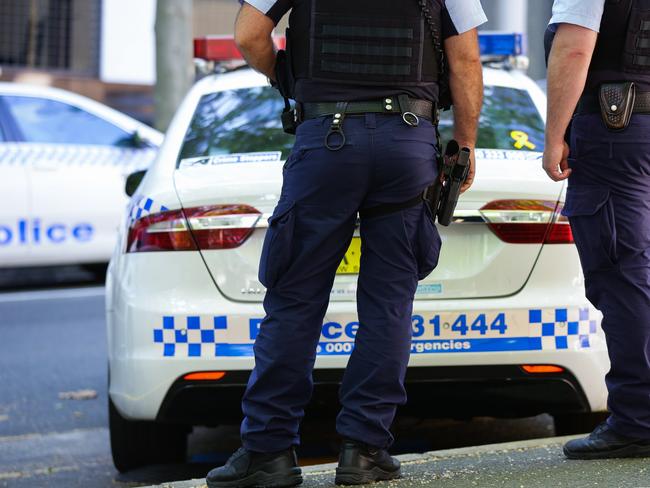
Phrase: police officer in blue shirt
(367,78)
(599,68)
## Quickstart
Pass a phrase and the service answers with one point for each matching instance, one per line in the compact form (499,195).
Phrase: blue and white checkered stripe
(191,337)
(142,206)
(537,330)
(563,328)
(15,153)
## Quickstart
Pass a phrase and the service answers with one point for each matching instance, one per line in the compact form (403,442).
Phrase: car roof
(103,111)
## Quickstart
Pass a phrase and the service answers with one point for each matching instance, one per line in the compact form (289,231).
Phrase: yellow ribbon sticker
(521,140)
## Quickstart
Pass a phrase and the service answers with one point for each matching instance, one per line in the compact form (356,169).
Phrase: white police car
(500,328)
(63,163)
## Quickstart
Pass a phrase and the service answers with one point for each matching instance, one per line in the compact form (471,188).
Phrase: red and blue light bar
(224,48)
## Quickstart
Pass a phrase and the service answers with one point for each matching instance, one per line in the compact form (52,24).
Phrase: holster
(616,104)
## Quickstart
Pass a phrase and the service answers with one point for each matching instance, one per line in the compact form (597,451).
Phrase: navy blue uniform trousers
(608,204)
(383,161)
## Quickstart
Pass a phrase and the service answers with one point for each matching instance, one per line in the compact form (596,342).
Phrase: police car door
(14,199)
(77,162)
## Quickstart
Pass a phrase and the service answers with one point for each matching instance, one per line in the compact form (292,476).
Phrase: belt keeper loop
(337,127)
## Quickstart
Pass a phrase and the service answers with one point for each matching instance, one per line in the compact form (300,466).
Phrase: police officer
(366,76)
(605,78)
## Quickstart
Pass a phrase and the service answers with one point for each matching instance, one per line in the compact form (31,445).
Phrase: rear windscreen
(247,121)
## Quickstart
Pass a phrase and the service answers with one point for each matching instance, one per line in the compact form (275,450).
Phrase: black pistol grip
(457,178)
(462,164)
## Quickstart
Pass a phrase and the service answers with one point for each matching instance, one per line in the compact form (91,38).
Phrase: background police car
(63,162)
(500,328)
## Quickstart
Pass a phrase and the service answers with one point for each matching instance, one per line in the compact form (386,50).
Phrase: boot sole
(632,451)
(352,476)
(262,480)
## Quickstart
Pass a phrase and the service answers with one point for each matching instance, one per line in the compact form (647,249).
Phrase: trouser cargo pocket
(277,248)
(591,214)
(427,246)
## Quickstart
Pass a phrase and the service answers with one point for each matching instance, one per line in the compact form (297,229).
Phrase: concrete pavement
(536,463)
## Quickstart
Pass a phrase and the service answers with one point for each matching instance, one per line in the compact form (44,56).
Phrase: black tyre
(577,423)
(136,443)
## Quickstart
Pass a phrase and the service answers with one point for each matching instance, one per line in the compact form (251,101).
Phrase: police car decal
(508,155)
(141,206)
(235,158)
(36,232)
(516,330)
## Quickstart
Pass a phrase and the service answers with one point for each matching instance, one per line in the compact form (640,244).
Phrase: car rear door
(230,161)
(77,163)
(14,196)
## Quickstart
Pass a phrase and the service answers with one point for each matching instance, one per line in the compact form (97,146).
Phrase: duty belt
(411,110)
(405,106)
(589,104)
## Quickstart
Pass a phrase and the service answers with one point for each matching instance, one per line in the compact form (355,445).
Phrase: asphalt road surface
(53,415)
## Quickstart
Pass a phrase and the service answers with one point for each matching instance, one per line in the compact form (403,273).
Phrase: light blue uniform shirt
(465,14)
(585,13)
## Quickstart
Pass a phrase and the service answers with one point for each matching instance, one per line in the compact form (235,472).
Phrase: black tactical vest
(348,50)
(622,51)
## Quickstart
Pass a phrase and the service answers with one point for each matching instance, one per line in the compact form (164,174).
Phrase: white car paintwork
(143,288)
(62,203)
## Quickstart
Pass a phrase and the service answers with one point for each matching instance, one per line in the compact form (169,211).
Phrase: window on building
(50,34)
(48,121)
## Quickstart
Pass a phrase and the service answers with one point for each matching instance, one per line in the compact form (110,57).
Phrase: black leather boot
(247,469)
(604,443)
(360,464)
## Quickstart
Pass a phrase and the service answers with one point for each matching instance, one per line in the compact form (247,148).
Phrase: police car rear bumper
(452,391)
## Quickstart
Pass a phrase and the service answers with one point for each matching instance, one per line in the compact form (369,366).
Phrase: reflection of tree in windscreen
(504,110)
(246,120)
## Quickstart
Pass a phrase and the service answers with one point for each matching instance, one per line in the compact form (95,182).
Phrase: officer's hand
(556,162)
(470,175)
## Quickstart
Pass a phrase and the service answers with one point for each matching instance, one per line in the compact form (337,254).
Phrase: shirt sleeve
(273,9)
(585,13)
(465,15)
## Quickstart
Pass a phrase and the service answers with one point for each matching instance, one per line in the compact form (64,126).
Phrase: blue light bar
(501,44)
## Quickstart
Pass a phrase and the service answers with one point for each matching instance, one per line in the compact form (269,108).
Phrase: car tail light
(204,228)
(542,368)
(528,221)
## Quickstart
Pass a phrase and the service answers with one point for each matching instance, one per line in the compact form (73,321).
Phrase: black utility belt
(411,109)
(615,102)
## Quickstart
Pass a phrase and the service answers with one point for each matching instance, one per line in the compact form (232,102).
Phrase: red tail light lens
(528,221)
(222,226)
(205,228)
(165,231)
